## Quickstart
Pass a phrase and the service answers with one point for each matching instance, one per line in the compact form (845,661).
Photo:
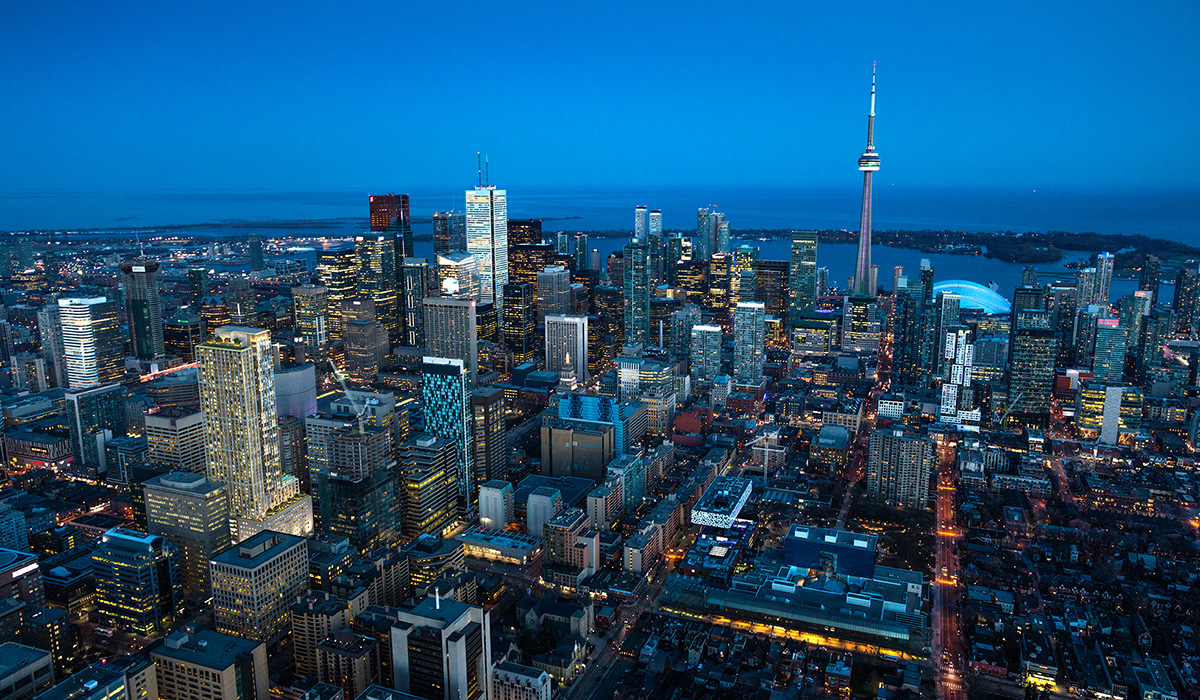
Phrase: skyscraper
(802,277)
(255,584)
(175,438)
(1150,278)
(241,301)
(1031,372)
(639,223)
(143,308)
(390,211)
(192,513)
(450,332)
(458,275)
(524,232)
(237,394)
(487,238)
(899,466)
(637,292)
(337,270)
(567,343)
(446,391)
(92,348)
(255,250)
(1186,303)
(365,341)
(868,163)
(376,254)
(749,341)
(310,304)
(519,323)
(428,466)
(705,359)
(581,251)
(1108,359)
(449,231)
(705,242)
(488,436)
(554,291)
(138,585)
(1104,276)
(197,285)
(412,300)
(654,222)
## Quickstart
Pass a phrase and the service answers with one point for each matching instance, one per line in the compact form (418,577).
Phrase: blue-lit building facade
(447,395)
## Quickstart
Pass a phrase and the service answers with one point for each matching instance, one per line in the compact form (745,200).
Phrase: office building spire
(868,163)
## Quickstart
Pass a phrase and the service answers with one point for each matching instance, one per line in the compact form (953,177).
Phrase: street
(947,637)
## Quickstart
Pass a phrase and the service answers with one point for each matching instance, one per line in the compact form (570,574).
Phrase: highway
(947,636)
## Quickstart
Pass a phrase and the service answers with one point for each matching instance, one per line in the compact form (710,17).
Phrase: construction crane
(766,450)
(359,411)
(1011,406)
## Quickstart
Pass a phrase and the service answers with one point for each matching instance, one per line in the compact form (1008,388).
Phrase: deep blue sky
(395,95)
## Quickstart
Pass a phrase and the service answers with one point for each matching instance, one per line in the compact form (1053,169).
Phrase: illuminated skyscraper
(428,466)
(1150,278)
(197,285)
(705,360)
(899,466)
(237,394)
(868,163)
(181,336)
(519,321)
(390,212)
(458,275)
(722,233)
(487,238)
(192,513)
(654,223)
(450,332)
(365,341)
(488,437)
(705,242)
(241,301)
(143,308)
(377,276)
(554,291)
(337,270)
(524,232)
(138,585)
(802,279)
(255,584)
(449,231)
(637,292)
(639,223)
(310,304)
(92,347)
(1031,371)
(1186,303)
(413,291)
(1104,276)
(1108,359)
(749,341)
(566,344)
(446,389)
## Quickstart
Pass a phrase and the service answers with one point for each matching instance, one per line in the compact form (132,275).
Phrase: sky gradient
(387,95)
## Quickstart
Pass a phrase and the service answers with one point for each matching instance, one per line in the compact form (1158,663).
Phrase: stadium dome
(975,296)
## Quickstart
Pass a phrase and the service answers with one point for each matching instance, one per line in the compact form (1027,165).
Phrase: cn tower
(868,163)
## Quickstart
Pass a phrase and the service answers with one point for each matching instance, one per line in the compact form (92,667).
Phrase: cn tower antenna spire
(868,163)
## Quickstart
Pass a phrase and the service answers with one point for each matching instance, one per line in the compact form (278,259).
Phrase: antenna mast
(478,170)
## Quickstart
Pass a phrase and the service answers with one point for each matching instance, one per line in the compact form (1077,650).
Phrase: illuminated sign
(24,570)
